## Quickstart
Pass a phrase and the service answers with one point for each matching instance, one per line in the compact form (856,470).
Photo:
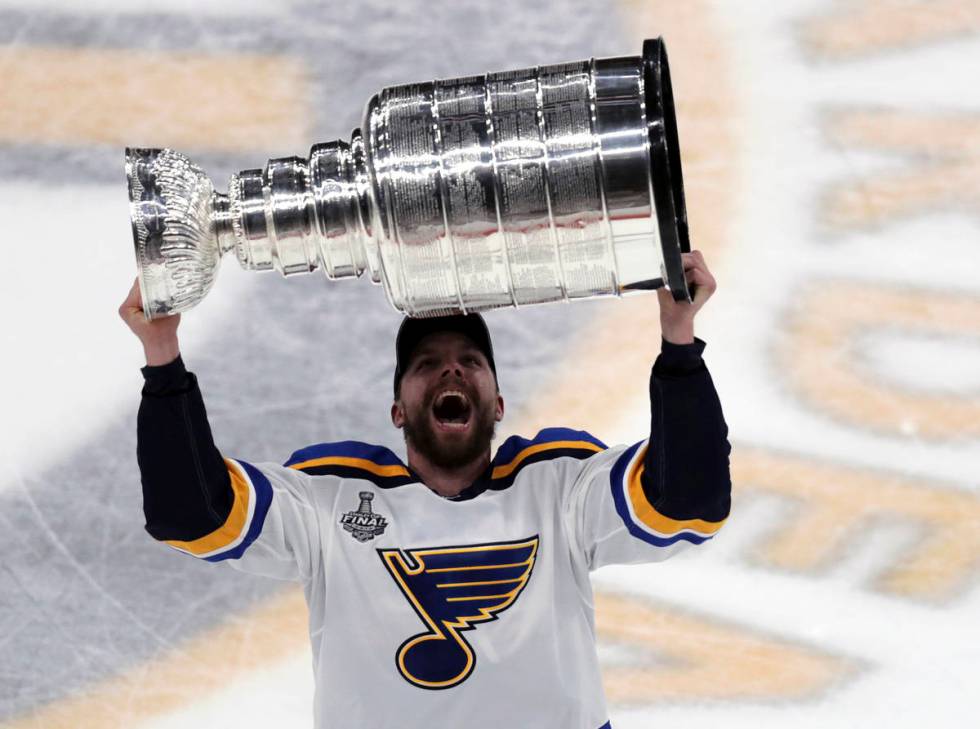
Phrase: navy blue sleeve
(186,486)
(687,472)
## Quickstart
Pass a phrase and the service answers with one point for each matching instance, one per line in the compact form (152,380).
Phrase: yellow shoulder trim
(654,519)
(361,463)
(508,468)
(234,525)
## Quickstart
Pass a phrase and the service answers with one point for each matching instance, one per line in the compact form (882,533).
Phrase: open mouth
(452,410)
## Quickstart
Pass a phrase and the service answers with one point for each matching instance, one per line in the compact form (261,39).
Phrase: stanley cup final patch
(364,524)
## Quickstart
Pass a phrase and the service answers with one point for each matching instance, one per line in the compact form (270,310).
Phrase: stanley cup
(543,184)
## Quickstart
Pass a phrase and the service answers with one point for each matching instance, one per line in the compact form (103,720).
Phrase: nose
(452,367)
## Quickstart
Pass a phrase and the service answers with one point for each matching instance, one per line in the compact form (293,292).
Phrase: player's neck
(446,482)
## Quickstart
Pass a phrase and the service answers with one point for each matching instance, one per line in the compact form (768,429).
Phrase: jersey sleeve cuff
(677,360)
(169,379)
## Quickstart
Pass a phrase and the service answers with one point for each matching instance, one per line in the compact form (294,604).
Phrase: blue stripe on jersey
(263,498)
(346,449)
(451,559)
(617,480)
(512,447)
(354,459)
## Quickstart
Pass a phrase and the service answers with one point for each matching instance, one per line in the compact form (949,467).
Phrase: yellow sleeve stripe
(361,463)
(234,526)
(508,468)
(644,511)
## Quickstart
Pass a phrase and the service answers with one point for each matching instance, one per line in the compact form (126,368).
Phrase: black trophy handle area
(665,165)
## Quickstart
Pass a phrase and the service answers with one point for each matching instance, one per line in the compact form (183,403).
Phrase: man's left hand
(677,317)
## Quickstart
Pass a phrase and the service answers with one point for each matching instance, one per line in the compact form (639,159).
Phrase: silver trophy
(543,184)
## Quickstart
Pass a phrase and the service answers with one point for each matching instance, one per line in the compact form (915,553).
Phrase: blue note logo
(452,589)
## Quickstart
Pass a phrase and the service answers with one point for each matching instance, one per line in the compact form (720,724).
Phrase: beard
(450,450)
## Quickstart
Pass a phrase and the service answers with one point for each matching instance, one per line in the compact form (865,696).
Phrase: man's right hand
(159,337)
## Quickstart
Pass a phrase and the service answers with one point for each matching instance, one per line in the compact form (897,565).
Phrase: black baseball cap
(414,330)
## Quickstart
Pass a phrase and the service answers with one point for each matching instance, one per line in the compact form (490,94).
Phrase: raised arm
(187,490)
(258,518)
(644,502)
(686,467)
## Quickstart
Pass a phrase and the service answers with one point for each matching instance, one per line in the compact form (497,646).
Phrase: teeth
(457,416)
(447,393)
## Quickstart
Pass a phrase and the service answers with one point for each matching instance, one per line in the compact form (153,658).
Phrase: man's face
(448,403)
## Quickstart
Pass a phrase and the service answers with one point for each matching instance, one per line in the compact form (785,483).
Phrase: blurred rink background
(832,157)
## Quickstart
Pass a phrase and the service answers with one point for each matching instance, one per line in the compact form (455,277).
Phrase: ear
(499,415)
(397,414)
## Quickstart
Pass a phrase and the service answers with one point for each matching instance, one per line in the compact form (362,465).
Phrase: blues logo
(452,589)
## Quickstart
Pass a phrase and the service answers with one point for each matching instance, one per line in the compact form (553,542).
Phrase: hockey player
(452,590)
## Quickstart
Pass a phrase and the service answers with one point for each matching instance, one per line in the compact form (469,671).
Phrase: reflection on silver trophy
(543,184)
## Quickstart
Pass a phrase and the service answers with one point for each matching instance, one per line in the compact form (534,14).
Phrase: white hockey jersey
(431,612)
